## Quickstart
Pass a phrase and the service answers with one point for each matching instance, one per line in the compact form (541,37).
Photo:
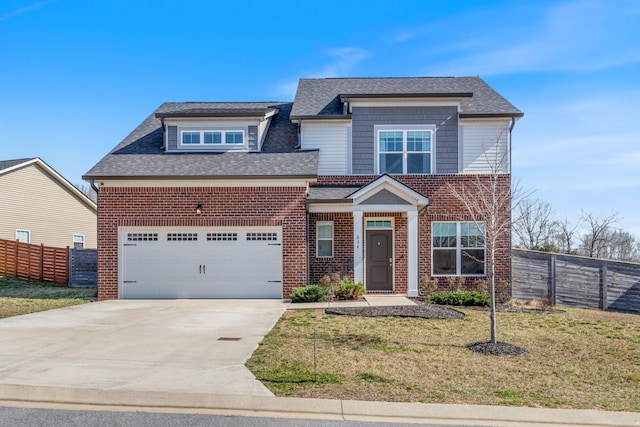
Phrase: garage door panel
(201,263)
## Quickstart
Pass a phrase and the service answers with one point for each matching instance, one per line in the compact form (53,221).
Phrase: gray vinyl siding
(363,139)
(252,138)
(384,197)
(172,139)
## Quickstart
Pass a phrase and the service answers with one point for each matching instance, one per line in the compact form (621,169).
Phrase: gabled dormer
(404,126)
(215,127)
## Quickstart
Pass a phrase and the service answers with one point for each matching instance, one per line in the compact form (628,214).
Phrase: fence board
(578,281)
(34,262)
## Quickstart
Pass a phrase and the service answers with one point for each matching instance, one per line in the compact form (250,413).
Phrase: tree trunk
(492,293)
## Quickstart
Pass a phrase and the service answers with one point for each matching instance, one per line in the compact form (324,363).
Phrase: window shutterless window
(324,239)
(78,241)
(212,137)
(404,151)
(458,249)
(23,236)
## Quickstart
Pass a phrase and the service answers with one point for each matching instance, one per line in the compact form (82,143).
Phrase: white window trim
(24,231)
(458,248)
(221,146)
(74,240)
(318,239)
(404,128)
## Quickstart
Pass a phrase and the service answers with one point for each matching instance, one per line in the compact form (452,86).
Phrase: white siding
(483,146)
(332,139)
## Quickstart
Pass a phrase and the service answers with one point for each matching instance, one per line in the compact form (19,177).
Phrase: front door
(379,260)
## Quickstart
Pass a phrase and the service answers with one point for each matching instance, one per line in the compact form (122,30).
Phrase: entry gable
(387,191)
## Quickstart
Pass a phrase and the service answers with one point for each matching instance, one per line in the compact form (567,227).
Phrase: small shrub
(348,290)
(428,285)
(464,298)
(502,291)
(330,282)
(455,283)
(481,286)
(311,293)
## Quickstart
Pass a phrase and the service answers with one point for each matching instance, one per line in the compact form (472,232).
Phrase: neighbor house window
(220,138)
(324,239)
(404,151)
(23,236)
(78,241)
(458,248)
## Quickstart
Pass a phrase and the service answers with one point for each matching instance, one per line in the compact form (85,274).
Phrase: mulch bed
(497,349)
(425,311)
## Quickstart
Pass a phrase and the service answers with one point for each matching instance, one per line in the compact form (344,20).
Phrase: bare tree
(621,245)
(533,224)
(564,235)
(489,200)
(596,239)
(88,191)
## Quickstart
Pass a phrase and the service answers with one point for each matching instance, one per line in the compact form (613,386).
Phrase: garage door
(200,263)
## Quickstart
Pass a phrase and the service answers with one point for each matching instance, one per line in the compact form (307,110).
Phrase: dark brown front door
(379,260)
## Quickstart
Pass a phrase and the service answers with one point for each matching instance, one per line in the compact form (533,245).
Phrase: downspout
(93,185)
(513,123)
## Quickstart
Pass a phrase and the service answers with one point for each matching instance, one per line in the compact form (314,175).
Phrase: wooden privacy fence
(576,281)
(34,262)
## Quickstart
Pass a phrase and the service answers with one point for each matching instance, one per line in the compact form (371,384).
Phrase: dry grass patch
(23,296)
(577,359)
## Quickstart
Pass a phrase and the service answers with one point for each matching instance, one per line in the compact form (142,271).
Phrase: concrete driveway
(195,346)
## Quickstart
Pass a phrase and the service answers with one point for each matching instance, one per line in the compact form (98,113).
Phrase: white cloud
(338,62)
(23,10)
(583,35)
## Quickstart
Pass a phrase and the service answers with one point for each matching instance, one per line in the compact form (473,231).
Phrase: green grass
(19,296)
(577,359)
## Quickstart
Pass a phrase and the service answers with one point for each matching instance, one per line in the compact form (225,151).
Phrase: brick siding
(222,206)
(444,207)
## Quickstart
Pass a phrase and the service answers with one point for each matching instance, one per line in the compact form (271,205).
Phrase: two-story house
(253,199)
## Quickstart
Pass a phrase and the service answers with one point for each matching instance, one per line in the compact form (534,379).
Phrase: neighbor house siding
(363,138)
(484,147)
(332,139)
(30,199)
(222,206)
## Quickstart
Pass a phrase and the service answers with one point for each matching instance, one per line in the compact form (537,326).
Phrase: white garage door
(191,262)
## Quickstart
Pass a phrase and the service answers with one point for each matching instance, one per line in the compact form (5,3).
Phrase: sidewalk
(369,301)
(329,409)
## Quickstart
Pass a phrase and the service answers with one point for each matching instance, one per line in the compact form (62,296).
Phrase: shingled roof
(140,154)
(320,98)
(6,164)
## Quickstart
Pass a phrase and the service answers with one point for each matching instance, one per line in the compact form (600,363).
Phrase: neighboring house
(39,206)
(253,199)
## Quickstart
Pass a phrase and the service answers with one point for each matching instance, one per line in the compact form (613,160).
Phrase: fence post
(41,262)
(552,292)
(16,256)
(605,285)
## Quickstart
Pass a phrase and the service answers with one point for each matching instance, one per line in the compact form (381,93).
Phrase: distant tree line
(535,227)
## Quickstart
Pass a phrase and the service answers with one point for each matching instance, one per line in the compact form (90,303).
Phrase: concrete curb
(125,400)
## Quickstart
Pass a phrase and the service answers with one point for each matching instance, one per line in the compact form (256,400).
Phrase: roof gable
(8,166)
(321,98)
(386,190)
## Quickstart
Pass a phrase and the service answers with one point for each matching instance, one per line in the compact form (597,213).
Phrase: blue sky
(77,76)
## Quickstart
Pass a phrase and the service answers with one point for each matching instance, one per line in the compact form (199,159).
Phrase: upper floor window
(404,150)
(222,138)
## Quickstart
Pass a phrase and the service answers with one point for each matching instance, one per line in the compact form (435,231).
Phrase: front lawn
(577,359)
(23,296)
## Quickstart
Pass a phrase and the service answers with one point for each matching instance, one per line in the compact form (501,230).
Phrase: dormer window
(212,138)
